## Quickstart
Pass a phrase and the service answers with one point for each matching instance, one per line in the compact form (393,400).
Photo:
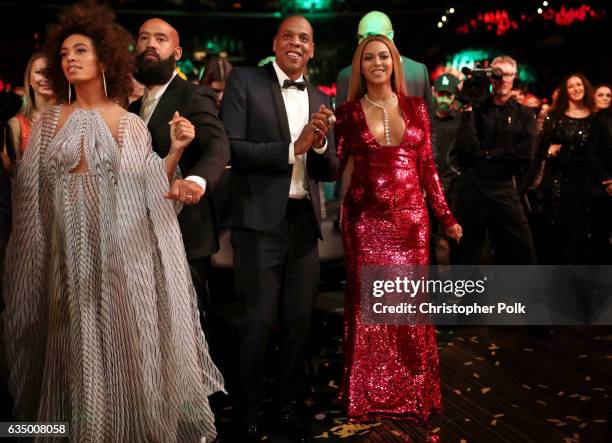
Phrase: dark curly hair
(561,104)
(111,41)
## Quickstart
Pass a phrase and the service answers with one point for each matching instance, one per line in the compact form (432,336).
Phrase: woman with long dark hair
(101,324)
(563,146)
(390,371)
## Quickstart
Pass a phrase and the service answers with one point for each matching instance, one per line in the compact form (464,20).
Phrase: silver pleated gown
(101,324)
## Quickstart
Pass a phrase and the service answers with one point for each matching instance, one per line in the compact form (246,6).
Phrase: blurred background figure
(215,75)
(602,96)
(566,179)
(519,95)
(444,125)
(38,95)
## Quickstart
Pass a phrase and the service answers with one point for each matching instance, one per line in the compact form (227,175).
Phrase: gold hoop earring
(69,93)
(104,83)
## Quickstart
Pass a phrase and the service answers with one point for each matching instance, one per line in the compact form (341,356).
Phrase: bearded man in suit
(204,160)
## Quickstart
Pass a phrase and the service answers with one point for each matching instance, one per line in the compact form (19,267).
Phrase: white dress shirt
(297,109)
(147,108)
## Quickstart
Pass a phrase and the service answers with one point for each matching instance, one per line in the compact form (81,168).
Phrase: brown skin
(293,46)
(157,39)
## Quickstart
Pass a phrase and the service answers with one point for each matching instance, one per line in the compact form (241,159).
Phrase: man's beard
(151,73)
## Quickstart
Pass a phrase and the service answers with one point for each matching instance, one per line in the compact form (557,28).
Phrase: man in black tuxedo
(281,147)
(204,160)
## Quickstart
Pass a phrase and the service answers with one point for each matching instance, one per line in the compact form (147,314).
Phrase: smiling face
(575,89)
(603,97)
(294,46)
(38,81)
(79,60)
(376,63)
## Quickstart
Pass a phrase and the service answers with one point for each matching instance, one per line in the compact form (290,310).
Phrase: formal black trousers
(276,276)
(493,207)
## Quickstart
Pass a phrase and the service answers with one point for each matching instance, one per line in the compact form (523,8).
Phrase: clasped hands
(182,132)
(313,134)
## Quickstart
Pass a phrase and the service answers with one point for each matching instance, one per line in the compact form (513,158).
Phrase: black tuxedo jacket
(255,119)
(206,156)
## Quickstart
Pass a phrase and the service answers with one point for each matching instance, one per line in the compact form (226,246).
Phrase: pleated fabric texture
(101,324)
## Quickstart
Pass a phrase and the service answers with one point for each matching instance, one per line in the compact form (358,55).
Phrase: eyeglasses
(508,75)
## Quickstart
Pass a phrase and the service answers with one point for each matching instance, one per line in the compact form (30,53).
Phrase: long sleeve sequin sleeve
(428,174)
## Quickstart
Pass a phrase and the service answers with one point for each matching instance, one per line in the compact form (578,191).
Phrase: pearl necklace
(384,107)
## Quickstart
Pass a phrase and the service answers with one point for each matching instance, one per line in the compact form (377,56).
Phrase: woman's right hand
(182,132)
(554,149)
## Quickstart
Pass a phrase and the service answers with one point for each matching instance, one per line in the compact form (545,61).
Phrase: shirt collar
(158,90)
(280,74)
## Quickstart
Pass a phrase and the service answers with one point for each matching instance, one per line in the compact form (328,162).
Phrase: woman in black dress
(563,145)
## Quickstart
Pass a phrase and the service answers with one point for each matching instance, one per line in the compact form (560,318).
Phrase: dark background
(245,30)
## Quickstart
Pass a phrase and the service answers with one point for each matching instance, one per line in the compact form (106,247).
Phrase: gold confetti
(336,411)
(450,343)
(435,431)
(599,421)
(323,435)
(584,398)
(542,386)
(460,338)
(493,346)
(485,390)
(560,393)
(467,419)
(528,349)
(479,358)
(332,384)
(573,417)
(583,356)
(493,353)
(396,433)
(583,425)
(475,374)
(457,391)
(468,363)
(468,389)
(264,438)
(497,363)
(463,440)
(474,339)
(587,378)
(526,386)
(499,415)
(574,395)
(515,406)
(542,402)
(493,422)
(599,389)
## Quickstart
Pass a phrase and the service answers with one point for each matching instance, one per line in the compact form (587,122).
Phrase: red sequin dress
(390,371)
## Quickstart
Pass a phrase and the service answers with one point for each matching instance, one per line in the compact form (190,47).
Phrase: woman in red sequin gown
(390,371)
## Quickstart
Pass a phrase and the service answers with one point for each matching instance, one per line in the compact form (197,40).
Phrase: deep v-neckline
(371,134)
(59,131)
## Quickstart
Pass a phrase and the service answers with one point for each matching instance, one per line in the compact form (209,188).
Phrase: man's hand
(314,132)
(182,132)
(185,191)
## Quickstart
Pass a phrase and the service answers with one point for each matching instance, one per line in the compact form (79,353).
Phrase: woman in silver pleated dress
(101,323)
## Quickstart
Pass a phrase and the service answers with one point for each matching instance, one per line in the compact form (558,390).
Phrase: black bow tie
(289,83)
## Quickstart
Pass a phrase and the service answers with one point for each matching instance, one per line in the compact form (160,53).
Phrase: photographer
(495,140)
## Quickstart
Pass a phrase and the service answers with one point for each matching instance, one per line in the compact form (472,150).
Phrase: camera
(477,86)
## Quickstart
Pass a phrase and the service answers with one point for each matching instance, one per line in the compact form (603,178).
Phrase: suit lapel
(279,104)
(168,103)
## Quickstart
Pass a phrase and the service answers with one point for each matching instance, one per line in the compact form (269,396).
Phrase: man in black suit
(204,160)
(278,129)
(415,73)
